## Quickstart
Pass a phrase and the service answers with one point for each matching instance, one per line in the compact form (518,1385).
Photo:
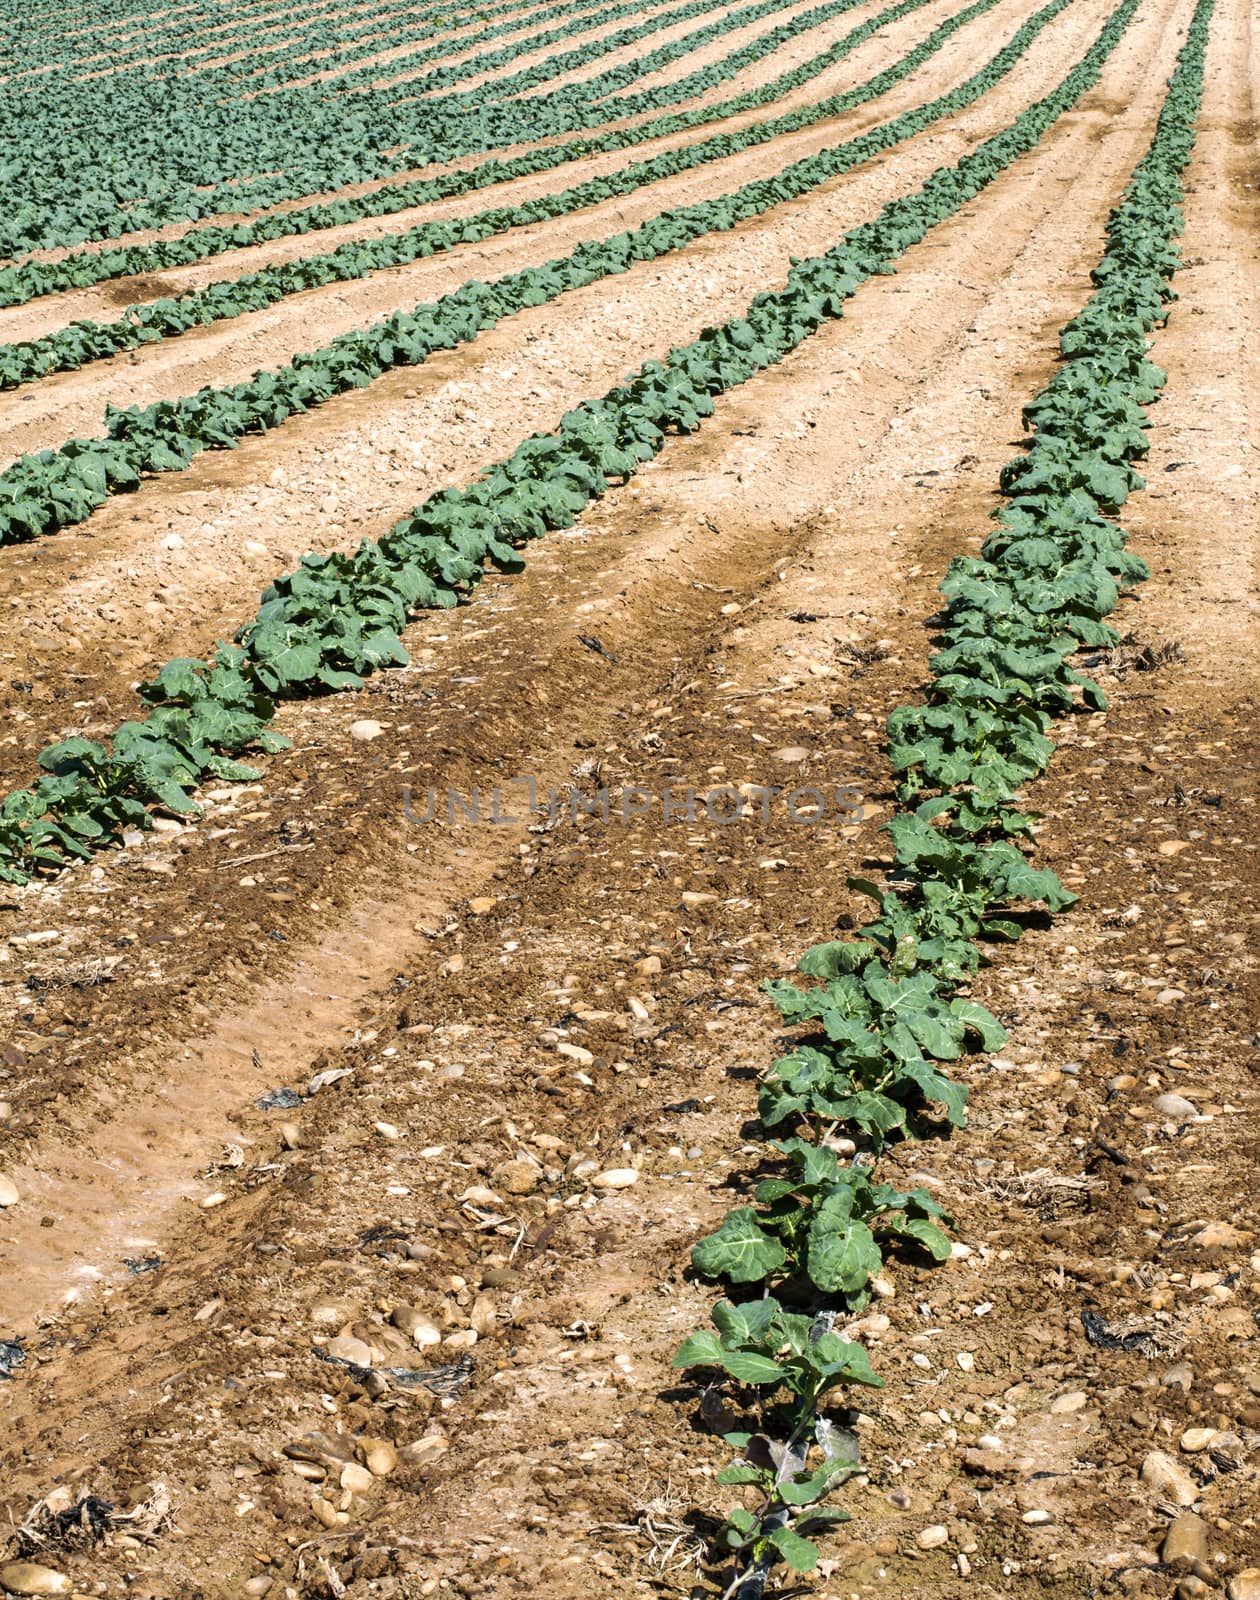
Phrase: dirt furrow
(1200,513)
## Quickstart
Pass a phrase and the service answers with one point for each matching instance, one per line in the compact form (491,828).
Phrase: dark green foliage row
(75,346)
(18,284)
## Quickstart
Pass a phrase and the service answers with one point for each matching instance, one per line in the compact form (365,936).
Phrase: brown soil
(523,1008)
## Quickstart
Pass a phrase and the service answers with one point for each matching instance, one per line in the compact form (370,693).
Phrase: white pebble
(616,1178)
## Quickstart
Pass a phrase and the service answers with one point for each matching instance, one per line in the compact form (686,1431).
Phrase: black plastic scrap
(137,1266)
(1099,1335)
(92,1515)
(284,1099)
(447,1380)
(12,1356)
(382,1233)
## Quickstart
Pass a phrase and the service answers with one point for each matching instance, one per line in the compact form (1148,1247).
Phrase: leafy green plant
(825,1223)
(765,1347)
(874,1063)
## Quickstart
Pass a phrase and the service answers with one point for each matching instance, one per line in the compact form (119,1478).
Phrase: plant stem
(751,1585)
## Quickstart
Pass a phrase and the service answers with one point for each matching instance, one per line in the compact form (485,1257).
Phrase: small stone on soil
(326,1512)
(483,1318)
(1217,1235)
(379,1456)
(616,1178)
(1175,1106)
(517,1177)
(1186,1540)
(1169,1479)
(28,1577)
(423,1451)
(347,1348)
(356,1478)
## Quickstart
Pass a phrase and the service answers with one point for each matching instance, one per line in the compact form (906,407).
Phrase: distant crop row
(123,154)
(74,346)
(298,31)
(19,284)
(267,60)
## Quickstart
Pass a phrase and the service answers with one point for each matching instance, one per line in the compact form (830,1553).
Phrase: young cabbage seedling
(765,1347)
